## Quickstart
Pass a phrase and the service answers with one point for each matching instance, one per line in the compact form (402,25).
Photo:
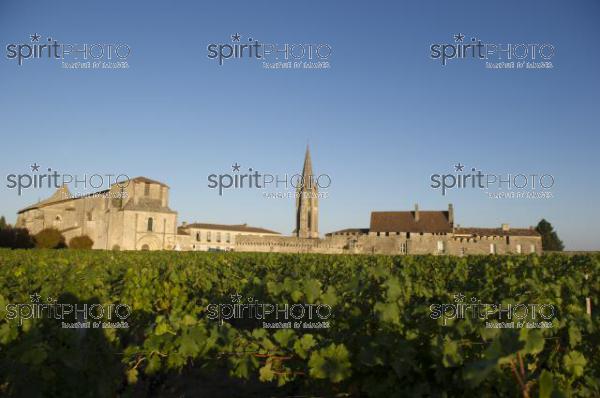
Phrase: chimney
(451,213)
(417,212)
(505,227)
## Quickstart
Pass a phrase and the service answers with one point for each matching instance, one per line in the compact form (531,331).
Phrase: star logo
(235,167)
(459,38)
(459,297)
(235,37)
(35,167)
(35,37)
(35,298)
(236,298)
(459,167)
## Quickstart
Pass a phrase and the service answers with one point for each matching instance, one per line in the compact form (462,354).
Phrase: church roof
(234,227)
(143,204)
(405,221)
(148,180)
(62,194)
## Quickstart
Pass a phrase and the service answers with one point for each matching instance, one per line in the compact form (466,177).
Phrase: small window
(150,224)
(218,237)
(208,237)
(463,251)
(146,189)
(228,237)
(519,249)
(440,246)
(532,248)
(198,236)
(492,248)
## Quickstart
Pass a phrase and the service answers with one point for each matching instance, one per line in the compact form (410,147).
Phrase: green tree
(15,238)
(81,242)
(50,238)
(550,240)
(3,222)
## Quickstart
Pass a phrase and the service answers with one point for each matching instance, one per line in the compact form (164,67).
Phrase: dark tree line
(49,238)
(550,239)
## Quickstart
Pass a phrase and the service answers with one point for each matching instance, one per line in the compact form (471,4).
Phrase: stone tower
(307,202)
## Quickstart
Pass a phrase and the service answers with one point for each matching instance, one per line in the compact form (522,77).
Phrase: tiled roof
(349,231)
(148,180)
(404,221)
(234,227)
(153,205)
(61,195)
(496,232)
(182,231)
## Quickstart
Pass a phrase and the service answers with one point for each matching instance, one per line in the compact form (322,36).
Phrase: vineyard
(188,324)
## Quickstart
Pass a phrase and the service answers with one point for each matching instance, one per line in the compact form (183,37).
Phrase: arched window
(145,247)
(150,223)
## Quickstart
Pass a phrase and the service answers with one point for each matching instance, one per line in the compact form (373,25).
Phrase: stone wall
(395,244)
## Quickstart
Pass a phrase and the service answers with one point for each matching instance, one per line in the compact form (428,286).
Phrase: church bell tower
(307,202)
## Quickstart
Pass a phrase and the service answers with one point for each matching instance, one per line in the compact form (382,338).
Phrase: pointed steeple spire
(307,207)
(307,169)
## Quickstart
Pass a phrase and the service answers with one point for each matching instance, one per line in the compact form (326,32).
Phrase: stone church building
(135,215)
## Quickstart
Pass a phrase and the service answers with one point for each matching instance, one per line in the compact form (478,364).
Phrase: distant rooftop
(496,231)
(63,194)
(228,227)
(349,231)
(407,221)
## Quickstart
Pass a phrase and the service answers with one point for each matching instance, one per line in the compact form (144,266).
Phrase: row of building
(138,217)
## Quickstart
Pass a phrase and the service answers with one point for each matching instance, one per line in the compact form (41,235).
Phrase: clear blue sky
(380,121)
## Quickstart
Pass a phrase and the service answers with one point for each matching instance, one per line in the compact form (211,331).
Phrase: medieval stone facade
(130,216)
(216,237)
(406,232)
(136,216)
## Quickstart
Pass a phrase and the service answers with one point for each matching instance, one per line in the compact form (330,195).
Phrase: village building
(136,216)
